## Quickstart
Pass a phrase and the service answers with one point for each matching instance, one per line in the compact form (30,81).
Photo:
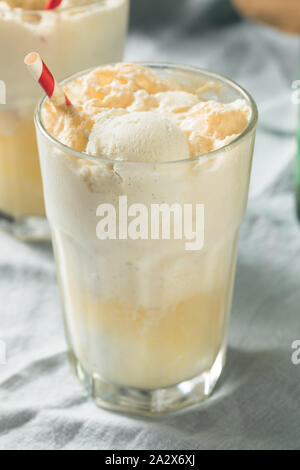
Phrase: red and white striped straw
(44,77)
(52,4)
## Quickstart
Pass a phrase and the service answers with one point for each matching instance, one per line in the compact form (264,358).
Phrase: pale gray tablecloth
(256,405)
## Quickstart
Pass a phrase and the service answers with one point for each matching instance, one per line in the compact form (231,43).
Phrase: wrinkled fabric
(256,403)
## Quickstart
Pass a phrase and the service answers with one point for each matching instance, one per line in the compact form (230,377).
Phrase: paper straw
(44,77)
(52,4)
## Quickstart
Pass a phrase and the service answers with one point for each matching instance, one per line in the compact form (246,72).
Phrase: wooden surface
(282,14)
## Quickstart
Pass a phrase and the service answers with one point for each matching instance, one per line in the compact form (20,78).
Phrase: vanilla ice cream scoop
(137,136)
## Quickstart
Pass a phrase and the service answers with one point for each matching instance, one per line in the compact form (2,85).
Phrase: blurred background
(220,35)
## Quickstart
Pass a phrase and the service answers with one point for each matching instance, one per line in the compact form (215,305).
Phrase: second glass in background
(68,39)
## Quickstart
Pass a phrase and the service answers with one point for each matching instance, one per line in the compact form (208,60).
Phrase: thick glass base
(31,229)
(149,402)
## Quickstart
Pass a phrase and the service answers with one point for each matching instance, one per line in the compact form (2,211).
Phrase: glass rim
(19,10)
(165,65)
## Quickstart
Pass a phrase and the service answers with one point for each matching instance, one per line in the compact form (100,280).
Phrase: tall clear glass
(68,39)
(146,319)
